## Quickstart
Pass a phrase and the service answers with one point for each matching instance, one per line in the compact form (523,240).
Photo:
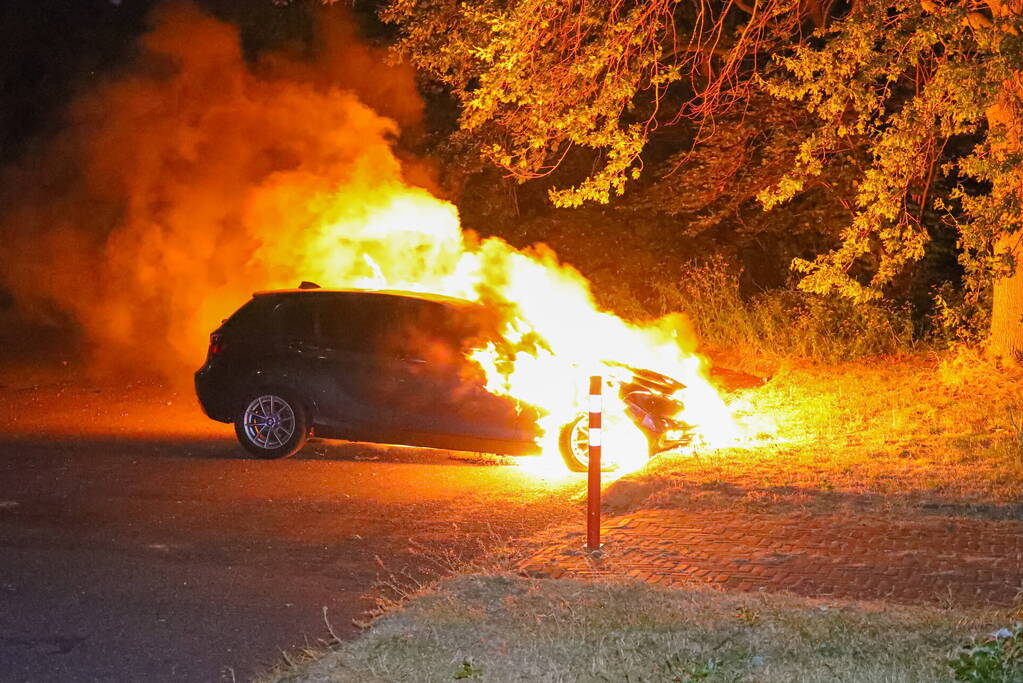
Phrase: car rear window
(247,319)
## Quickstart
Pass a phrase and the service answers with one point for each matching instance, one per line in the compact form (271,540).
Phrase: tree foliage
(715,186)
(909,96)
(917,85)
(536,78)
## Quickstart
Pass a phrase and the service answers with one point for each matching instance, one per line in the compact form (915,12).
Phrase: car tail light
(216,344)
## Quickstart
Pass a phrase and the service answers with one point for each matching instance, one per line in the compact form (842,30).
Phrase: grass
(903,435)
(779,323)
(917,433)
(505,628)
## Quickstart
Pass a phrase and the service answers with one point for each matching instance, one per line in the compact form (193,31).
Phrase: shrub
(996,659)
(782,322)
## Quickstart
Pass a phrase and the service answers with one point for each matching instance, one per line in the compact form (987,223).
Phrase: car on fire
(388,367)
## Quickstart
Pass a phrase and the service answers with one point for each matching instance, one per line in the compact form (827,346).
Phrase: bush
(782,322)
(996,659)
(961,315)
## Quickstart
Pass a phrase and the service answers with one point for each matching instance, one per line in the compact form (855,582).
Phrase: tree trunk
(1006,340)
(1006,116)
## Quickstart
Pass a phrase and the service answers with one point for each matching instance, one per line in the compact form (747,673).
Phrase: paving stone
(979,561)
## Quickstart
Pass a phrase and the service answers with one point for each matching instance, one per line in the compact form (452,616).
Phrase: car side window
(433,333)
(424,324)
(296,320)
(360,324)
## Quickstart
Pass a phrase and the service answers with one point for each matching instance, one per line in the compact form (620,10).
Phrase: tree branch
(744,7)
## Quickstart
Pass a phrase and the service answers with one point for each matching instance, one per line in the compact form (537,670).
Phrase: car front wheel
(574,444)
(272,425)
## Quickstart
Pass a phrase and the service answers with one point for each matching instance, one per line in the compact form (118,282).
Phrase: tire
(574,444)
(271,425)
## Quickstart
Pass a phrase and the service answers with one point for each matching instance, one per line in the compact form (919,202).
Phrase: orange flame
(553,336)
(203,179)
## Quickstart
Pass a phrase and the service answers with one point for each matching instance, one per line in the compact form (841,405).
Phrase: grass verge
(506,628)
(905,435)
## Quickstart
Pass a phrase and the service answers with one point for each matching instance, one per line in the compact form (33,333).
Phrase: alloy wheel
(269,422)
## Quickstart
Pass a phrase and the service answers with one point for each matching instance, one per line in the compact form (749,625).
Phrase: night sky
(55,48)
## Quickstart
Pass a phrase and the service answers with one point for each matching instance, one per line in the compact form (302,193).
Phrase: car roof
(421,296)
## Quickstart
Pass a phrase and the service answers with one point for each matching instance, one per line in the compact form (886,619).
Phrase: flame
(206,179)
(553,336)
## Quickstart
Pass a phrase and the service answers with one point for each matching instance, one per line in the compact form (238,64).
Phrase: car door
(444,392)
(312,367)
(365,379)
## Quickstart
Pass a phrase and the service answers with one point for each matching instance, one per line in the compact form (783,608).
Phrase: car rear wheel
(272,425)
(574,444)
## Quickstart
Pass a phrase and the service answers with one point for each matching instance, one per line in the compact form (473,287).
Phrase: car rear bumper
(212,398)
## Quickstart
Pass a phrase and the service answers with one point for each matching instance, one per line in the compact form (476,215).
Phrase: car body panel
(391,367)
(382,384)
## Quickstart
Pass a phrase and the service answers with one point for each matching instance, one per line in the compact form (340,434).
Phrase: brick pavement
(923,559)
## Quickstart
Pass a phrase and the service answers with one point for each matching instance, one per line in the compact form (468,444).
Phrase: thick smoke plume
(193,178)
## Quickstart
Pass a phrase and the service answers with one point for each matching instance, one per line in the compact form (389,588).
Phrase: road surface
(138,543)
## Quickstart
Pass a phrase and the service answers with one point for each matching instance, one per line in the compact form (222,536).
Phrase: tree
(536,78)
(930,91)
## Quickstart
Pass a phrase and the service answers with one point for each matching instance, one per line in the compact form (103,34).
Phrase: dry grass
(779,323)
(915,432)
(911,435)
(503,628)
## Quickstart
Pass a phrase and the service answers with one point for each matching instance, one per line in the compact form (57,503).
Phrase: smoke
(193,178)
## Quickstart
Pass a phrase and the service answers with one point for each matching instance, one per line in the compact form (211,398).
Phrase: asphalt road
(138,543)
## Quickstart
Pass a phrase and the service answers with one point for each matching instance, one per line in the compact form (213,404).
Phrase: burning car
(391,367)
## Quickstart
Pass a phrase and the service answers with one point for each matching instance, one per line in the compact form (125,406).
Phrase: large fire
(553,336)
(187,182)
